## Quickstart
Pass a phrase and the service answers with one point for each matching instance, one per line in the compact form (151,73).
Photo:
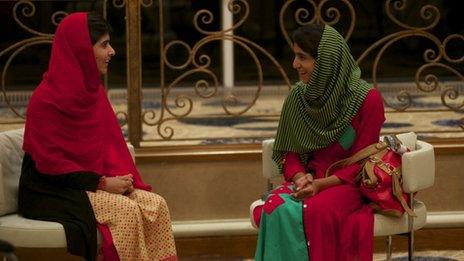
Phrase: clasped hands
(119,184)
(305,186)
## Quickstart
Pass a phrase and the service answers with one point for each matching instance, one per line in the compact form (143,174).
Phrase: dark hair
(98,26)
(307,37)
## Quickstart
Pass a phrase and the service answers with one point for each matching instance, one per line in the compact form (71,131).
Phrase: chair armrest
(408,139)
(418,168)
(270,169)
(131,151)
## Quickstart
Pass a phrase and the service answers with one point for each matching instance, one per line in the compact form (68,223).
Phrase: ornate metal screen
(165,109)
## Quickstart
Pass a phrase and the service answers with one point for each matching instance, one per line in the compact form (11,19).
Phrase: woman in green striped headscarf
(329,115)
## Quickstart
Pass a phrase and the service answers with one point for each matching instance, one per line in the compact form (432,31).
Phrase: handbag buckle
(392,142)
(390,168)
(386,167)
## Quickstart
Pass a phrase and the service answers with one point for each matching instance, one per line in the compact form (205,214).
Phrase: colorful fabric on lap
(281,232)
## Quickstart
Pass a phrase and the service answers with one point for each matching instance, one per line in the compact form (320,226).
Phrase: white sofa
(418,173)
(20,231)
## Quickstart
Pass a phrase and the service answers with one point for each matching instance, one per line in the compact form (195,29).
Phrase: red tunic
(338,225)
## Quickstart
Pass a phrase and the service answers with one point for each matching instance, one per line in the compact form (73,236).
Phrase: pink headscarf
(70,124)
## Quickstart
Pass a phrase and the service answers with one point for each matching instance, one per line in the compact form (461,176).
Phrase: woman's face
(103,53)
(303,63)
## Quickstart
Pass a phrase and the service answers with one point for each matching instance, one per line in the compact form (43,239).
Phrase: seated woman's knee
(162,202)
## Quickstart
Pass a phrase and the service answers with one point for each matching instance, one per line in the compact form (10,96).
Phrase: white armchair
(20,231)
(418,172)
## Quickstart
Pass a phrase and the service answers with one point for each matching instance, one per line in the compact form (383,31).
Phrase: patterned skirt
(139,223)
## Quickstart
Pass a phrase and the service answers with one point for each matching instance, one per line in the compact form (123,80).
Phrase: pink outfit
(338,225)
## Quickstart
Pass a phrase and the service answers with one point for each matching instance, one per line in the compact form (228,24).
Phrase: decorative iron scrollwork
(431,14)
(331,16)
(201,63)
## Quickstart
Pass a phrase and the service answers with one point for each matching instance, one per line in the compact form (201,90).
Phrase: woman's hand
(119,184)
(301,180)
(304,185)
(129,190)
(128,177)
(316,186)
(309,190)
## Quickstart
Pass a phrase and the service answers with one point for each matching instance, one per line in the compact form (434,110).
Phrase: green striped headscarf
(316,114)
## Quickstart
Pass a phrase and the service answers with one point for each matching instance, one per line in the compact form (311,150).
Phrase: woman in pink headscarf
(76,161)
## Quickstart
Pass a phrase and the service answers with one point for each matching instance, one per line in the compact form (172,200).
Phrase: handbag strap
(358,156)
(368,168)
(398,192)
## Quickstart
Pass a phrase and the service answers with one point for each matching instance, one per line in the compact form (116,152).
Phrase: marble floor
(445,255)
(442,255)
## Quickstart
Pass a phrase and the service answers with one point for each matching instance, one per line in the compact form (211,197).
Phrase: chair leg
(388,241)
(411,230)
(411,245)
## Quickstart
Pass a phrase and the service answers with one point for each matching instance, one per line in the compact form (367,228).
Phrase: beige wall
(447,194)
(196,190)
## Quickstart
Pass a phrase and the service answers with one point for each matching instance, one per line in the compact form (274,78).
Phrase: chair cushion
(23,232)
(11,156)
(385,225)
